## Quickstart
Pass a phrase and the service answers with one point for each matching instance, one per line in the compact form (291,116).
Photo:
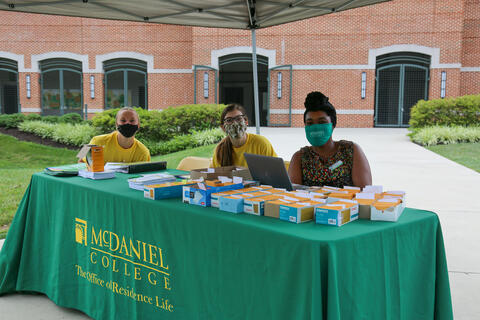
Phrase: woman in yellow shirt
(121,145)
(231,149)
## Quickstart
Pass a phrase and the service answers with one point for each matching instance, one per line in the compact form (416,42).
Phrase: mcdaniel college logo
(81,231)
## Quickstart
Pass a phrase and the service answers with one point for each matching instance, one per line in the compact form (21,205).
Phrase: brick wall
(329,53)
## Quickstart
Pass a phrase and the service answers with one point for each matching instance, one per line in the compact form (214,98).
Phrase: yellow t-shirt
(113,152)
(255,144)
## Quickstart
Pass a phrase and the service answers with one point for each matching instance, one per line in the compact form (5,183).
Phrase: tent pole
(255,81)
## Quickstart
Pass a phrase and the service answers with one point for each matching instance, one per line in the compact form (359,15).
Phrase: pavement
(431,182)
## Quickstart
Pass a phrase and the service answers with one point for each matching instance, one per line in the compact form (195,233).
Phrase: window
(364,84)
(279,85)
(443,84)
(27,81)
(125,83)
(61,85)
(205,85)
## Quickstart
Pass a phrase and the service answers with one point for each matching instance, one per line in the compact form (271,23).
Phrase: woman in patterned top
(327,162)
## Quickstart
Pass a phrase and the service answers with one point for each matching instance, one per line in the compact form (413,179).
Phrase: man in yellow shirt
(121,145)
(231,149)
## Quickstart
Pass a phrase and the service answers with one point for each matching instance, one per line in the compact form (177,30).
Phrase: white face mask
(236,129)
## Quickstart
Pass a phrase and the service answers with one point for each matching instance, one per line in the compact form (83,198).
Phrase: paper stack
(149,179)
(97,175)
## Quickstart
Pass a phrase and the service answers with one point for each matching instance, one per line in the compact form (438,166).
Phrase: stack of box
(216,196)
(256,205)
(214,173)
(200,194)
(389,207)
(166,190)
(365,201)
(341,195)
(337,213)
(298,212)
(234,203)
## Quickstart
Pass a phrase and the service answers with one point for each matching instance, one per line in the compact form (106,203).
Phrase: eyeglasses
(234,119)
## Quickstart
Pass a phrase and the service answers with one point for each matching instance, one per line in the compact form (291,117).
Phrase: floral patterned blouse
(335,171)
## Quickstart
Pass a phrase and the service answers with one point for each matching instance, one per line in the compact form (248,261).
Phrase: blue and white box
(337,213)
(202,196)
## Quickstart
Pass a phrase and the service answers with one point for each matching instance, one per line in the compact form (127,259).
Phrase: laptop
(268,170)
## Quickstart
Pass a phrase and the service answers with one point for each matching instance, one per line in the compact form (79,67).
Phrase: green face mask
(318,134)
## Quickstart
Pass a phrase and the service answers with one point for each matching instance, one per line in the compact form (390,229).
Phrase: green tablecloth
(102,248)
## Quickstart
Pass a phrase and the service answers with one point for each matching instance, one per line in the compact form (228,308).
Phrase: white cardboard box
(390,214)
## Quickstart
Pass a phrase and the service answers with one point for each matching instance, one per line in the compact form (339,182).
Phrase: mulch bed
(25,136)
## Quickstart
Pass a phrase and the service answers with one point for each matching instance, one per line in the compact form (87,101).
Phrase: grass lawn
(19,160)
(467,154)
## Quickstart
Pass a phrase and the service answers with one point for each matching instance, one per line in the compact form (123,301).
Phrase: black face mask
(127,130)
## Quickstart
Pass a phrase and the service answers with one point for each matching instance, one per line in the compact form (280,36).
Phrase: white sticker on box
(399,192)
(201,186)
(331,188)
(211,170)
(302,194)
(365,195)
(237,180)
(373,189)
(332,221)
(354,210)
(351,188)
(224,179)
(292,219)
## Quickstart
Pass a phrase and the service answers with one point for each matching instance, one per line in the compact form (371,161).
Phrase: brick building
(373,62)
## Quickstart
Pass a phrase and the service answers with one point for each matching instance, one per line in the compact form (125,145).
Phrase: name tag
(335,165)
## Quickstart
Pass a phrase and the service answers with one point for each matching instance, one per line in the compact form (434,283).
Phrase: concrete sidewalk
(431,182)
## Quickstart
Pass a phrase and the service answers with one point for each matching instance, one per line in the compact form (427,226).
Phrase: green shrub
(429,136)
(182,142)
(71,118)
(206,137)
(163,125)
(461,111)
(38,128)
(33,117)
(11,120)
(51,119)
(66,133)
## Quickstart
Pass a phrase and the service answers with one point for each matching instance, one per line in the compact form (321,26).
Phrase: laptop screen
(268,170)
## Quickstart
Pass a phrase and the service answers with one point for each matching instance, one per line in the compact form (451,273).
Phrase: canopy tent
(245,14)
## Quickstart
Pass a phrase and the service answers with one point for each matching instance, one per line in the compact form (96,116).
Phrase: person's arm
(361,174)
(295,168)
